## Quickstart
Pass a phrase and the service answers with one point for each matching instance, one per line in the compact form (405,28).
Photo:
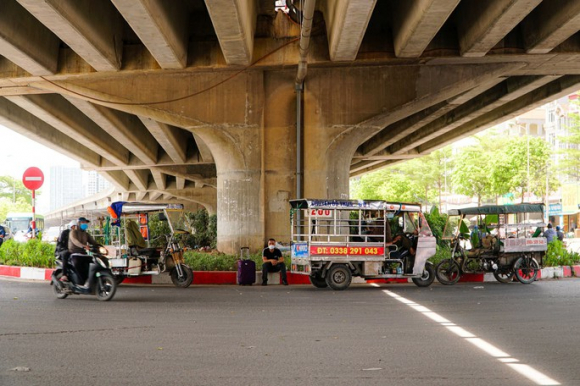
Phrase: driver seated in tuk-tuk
(406,248)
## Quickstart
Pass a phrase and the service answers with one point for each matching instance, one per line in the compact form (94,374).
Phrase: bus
(20,222)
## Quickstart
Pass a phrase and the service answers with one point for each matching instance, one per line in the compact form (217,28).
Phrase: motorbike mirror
(162,217)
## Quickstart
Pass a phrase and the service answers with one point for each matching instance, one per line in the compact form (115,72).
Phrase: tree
(474,167)
(13,189)
(511,173)
(6,205)
(419,180)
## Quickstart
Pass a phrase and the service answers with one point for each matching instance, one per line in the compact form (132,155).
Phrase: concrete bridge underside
(195,100)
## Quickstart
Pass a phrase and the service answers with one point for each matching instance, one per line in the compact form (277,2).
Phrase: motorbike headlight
(103,251)
(101,263)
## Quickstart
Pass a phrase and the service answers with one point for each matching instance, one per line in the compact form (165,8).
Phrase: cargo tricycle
(134,256)
(504,239)
(336,240)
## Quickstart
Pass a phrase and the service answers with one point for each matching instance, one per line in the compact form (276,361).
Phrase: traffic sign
(33,178)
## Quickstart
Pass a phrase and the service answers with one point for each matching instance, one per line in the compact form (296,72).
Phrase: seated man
(273,262)
(405,248)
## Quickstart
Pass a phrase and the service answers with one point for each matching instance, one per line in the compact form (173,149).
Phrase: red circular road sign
(33,178)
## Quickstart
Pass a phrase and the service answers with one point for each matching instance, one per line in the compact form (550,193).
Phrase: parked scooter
(100,278)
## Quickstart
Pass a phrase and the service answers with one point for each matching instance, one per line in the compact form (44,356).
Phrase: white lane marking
(460,332)
(530,372)
(525,370)
(488,348)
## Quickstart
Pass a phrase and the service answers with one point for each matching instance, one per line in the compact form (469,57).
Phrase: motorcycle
(100,278)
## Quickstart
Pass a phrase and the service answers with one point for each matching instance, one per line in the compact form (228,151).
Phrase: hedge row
(35,253)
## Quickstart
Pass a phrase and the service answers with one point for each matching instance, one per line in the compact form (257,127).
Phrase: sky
(18,153)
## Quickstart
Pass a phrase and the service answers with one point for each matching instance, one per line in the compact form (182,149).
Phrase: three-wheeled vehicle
(134,257)
(504,239)
(334,240)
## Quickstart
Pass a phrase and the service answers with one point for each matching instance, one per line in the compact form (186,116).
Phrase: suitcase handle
(242,253)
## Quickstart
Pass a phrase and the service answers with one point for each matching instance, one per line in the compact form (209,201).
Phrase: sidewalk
(230,278)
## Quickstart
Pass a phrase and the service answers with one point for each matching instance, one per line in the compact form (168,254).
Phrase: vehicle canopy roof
(498,209)
(309,203)
(143,207)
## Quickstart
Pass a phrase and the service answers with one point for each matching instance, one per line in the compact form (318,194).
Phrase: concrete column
(237,153)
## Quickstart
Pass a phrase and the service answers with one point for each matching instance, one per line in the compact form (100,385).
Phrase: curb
(230,278)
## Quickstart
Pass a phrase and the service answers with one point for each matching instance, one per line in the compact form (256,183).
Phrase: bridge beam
(550,24)
(346,23)
(21,121)
(60,114)
(126,128)
(234,22)
(161,26)
(93,29)
(482,24)
(417,22)
(26,42)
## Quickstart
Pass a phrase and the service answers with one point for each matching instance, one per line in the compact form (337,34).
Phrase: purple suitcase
(246,268)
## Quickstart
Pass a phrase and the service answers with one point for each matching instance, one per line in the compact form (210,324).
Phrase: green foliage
(557,255)
(510,171)
(21,205)
(436,222)
(443,252)
(199,261)
(13,189)
(473,166)
(204,229)
(419,180)
(157,229)
(33,253)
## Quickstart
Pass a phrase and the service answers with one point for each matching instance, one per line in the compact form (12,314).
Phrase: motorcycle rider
(79,243)
(62,248)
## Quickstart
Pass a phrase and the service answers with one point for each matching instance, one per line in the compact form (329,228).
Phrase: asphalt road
(296,335)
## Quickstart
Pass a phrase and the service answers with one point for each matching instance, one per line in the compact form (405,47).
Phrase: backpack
(62,242)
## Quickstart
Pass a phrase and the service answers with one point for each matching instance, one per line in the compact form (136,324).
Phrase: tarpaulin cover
(499,209)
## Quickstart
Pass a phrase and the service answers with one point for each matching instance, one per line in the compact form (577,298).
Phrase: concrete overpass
(195,100)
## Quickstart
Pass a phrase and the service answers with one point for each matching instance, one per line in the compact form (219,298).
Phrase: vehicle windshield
(451,228)
(176,219)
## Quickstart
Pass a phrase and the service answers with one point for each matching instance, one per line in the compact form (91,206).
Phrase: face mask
(270,247)
(84,227)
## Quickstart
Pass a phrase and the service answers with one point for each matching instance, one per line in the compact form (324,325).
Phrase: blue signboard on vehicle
(300,250)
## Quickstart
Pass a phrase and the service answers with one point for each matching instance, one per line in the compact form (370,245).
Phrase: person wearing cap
(79,243)
(550,233)
(559,233)
(61,250)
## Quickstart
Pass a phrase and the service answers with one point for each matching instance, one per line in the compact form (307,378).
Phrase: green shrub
(199,261)
(33,253)
(557,255)
(437,222)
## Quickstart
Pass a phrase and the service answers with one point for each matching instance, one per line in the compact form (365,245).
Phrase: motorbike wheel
(57,287)
(106,287)
(185,280)
(504,276)
(426,278)
(526,269)
(448,272)
(318,281)
(338,277)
